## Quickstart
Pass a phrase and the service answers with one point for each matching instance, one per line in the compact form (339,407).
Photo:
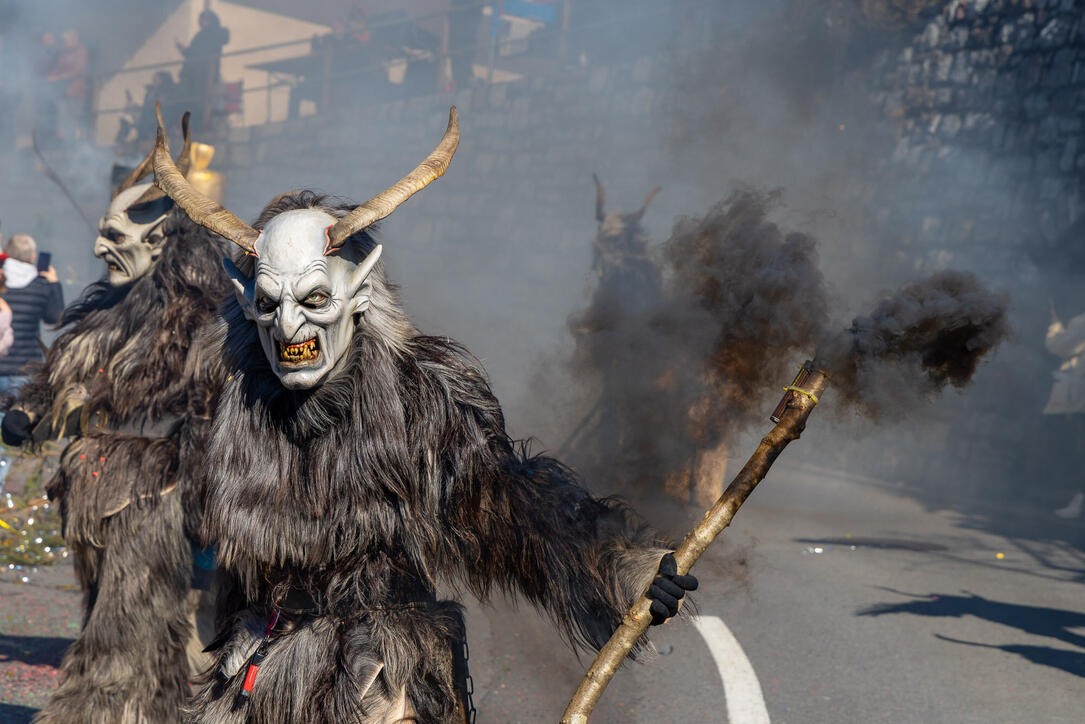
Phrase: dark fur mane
(393,475)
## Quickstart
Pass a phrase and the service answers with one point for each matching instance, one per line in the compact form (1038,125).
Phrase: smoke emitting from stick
(695,339)
(927,335)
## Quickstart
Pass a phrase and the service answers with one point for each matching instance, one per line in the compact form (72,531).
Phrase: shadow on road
(1071,662)
(33,650)
(1054,623)
(15,714)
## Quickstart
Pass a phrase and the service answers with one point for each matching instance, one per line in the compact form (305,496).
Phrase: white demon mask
(305,303)
(309,288)
(130,237)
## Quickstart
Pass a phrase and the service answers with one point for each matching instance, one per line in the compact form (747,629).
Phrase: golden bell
(209,183)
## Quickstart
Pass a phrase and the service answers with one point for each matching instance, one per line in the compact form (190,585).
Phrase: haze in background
(700,98)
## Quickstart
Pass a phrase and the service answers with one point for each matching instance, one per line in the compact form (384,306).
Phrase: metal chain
(470,683)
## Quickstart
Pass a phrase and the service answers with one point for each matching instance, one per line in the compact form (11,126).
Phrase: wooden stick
(800,401)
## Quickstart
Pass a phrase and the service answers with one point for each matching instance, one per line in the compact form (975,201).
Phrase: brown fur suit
(359,496)
(128,355)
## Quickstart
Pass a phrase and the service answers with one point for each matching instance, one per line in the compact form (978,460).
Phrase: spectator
(71,66)
(6,335)
(162,89)
(200,73)
(34,297)
(46,124)
(464,24)
(1067,342)
(421,49)
(141,117)
(6,338)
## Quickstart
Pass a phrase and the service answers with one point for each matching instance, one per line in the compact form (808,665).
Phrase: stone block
(961,72)
(943,65)
(951,125)
(931,35)
(1024,35)
(981,36)
(958,38)
(1054,34)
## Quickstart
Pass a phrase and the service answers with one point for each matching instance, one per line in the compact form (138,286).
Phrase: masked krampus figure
(611,343)
(353,463)
(127,380)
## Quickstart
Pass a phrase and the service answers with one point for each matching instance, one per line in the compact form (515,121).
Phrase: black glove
(667,590)
(16,428)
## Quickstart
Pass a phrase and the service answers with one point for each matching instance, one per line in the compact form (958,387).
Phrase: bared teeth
(296,353)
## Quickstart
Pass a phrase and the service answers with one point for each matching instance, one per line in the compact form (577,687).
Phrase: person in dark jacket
(34,297)
(199,75)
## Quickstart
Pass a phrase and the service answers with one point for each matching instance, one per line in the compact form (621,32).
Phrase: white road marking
(745,702)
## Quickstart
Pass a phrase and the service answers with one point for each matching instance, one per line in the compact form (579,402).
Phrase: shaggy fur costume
(364,493)
(131,354)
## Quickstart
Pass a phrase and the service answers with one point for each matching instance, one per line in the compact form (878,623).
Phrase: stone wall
(991,95)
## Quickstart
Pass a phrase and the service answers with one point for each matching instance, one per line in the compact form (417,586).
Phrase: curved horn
(384,203)
(644,207)
(600,198)
(147,165)
(184,158)
(134,176)
(205,212)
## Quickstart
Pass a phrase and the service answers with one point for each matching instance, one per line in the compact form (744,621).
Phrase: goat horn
(146,166)
(384,203)
(647,200)
(600,199)
(204,211)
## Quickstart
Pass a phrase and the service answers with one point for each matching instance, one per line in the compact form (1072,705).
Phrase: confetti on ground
(39,601)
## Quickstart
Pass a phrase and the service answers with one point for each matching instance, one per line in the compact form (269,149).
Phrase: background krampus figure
(353,463)
(128,382)
(685,353)
(611,345)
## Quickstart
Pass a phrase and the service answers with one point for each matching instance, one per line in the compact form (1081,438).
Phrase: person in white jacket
(1067,342)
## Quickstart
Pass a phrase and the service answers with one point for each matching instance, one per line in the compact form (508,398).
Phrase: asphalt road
(850,602)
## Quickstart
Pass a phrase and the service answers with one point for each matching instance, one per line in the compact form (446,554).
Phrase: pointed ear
(360,300)
(244,288)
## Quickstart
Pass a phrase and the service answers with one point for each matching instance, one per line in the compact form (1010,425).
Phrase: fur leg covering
(129,663)
(393,666)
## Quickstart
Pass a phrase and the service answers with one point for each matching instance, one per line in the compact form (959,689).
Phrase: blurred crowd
(198,87)
(63,107)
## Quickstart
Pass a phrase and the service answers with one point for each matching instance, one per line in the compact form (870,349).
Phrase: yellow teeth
(299,353)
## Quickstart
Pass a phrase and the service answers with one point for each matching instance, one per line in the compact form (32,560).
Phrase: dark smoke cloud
(690,347)
(919,339)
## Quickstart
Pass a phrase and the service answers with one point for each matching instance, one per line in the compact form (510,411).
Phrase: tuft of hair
(22,247)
